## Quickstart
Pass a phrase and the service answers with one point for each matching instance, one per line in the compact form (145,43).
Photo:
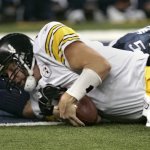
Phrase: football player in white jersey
(114,79)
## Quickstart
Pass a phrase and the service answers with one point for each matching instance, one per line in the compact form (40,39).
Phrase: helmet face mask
(17,49)
(16,69)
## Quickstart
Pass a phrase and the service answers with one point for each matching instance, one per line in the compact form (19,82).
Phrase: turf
(62,137)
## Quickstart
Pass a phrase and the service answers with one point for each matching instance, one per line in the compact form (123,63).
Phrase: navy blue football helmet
(18,48)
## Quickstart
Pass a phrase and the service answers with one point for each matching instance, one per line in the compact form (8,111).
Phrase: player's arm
(28,111)
(80,56)
(16,103)
(48,109)
(94,68)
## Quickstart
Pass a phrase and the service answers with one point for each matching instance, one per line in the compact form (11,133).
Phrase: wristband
(87,80)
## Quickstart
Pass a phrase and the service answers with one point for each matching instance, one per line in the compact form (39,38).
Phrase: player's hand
(67,110)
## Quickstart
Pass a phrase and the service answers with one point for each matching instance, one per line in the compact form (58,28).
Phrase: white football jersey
(121,95)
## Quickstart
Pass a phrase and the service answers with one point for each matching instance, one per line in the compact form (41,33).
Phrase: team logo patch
(45,71)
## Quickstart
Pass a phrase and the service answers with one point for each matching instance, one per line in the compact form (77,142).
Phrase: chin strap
(30,84)
(30,81)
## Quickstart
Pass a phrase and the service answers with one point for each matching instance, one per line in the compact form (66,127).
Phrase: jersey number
(138,45)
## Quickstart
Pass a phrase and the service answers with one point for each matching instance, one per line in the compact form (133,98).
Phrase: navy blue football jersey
(139,40)
(12,101)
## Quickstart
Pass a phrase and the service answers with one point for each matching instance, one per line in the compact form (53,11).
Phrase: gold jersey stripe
(58,38)
(147,80)
(69,39)
(47,43)
(54,45)
(66,38)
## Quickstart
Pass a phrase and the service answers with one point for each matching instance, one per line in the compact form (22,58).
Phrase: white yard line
(30,124)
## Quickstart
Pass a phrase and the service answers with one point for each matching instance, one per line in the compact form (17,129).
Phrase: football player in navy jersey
(14,101)
(138,40)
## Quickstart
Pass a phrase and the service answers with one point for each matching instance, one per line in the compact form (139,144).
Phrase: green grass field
(61,137)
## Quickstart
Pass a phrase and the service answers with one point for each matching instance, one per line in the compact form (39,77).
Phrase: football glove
(49,97)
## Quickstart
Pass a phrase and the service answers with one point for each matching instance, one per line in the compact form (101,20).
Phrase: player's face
(16,74)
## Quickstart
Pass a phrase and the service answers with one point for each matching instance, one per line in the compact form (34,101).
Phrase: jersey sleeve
(58,37)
